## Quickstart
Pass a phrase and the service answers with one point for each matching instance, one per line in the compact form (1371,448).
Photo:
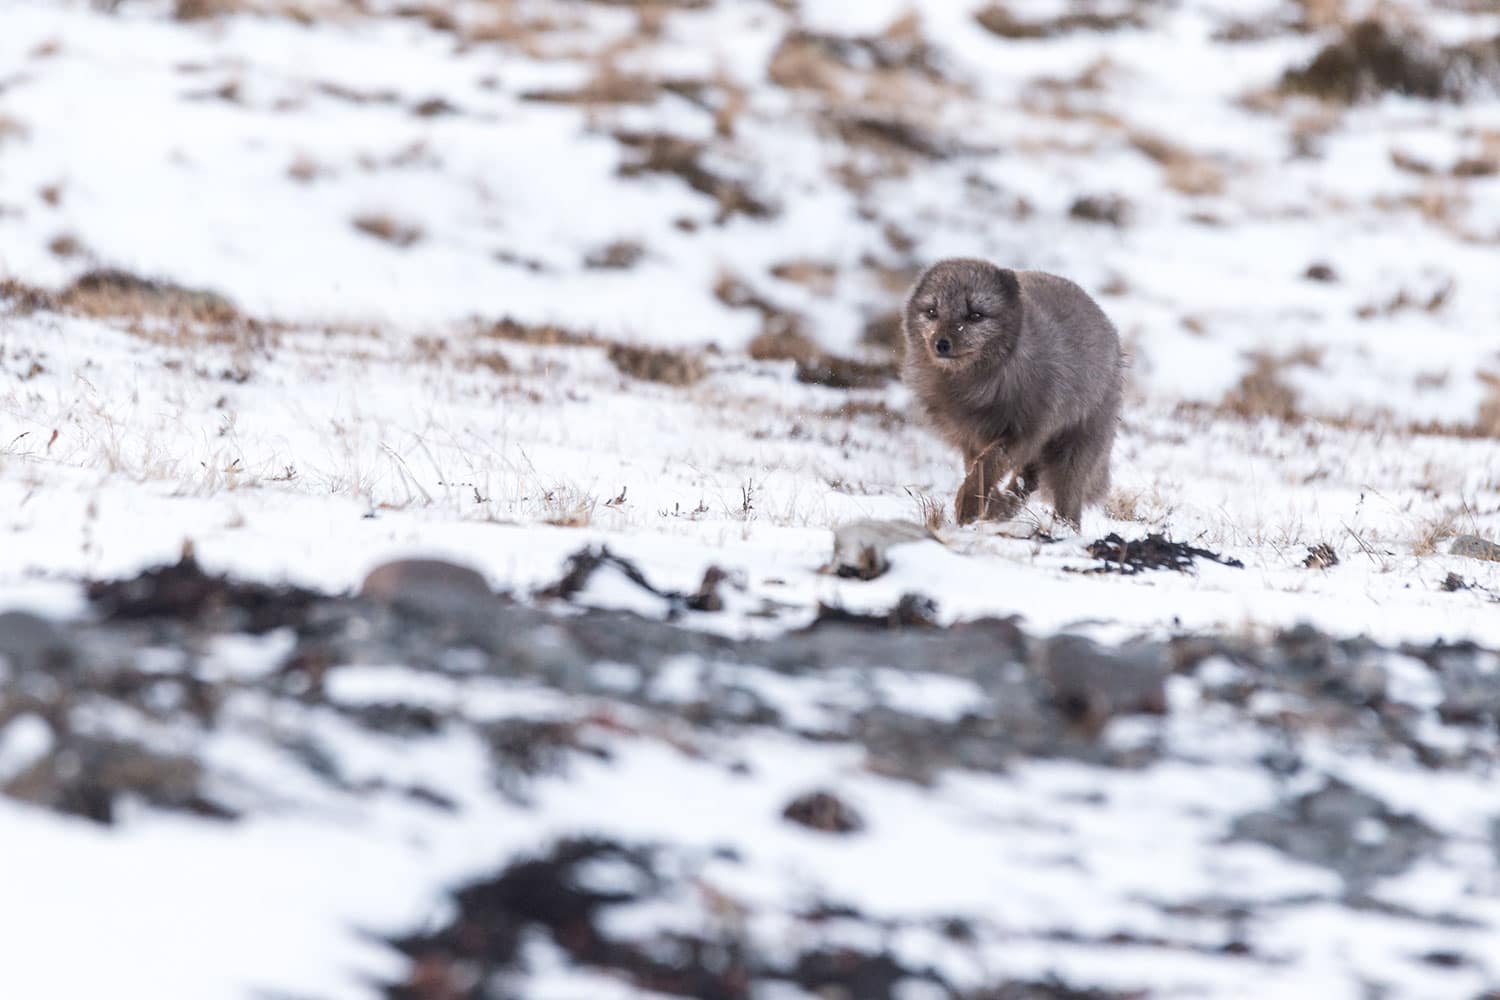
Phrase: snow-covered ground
(372,188)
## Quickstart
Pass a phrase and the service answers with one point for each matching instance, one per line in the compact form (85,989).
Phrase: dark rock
(823,811)
(183,592)
(1321,556)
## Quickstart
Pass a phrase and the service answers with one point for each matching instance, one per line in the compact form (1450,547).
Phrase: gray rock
(1090,684)
(1475,547)
(429,586)
(29,642)
(861,548)
(1344,829)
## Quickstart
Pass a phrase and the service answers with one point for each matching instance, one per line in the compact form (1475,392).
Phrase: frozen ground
(369,190)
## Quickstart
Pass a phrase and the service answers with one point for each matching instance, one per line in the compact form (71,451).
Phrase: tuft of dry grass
(1433,531)
(1123,505)
(568,507)
(931,511)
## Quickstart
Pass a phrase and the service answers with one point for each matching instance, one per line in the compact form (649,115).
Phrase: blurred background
(1289,207)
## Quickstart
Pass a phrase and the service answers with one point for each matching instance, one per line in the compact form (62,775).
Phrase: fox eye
(975,317)
(930,313)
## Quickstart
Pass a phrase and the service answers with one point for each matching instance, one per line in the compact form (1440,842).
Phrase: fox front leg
(978,496)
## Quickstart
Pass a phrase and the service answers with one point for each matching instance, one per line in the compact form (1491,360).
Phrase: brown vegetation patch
(356,96)
(783,345)
(392,231)
(891,134)
(661,153)
(1186,172)
(658,364)
(435,107)
(24,299)
(997,19)
(619,255)
(816,276)
(11,128)
(855,65)
(1262,392)
(65,245)
(609,85)
(1109,209)
(542,334)
(1405,300)
(776,321)
(825,812)
(110,292)
(1476,166)
(818,367)
(1371,58)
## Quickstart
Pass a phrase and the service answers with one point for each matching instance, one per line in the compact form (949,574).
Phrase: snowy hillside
(306,286)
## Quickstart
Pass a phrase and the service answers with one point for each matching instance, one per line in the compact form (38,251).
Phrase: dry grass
(568,507)
(931,511)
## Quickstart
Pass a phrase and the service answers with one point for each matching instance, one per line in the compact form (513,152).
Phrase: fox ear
(1008,282)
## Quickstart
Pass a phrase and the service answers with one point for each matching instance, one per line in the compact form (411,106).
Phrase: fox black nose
(944,346)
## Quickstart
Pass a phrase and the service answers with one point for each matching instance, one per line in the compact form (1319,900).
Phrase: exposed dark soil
(1155,551)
